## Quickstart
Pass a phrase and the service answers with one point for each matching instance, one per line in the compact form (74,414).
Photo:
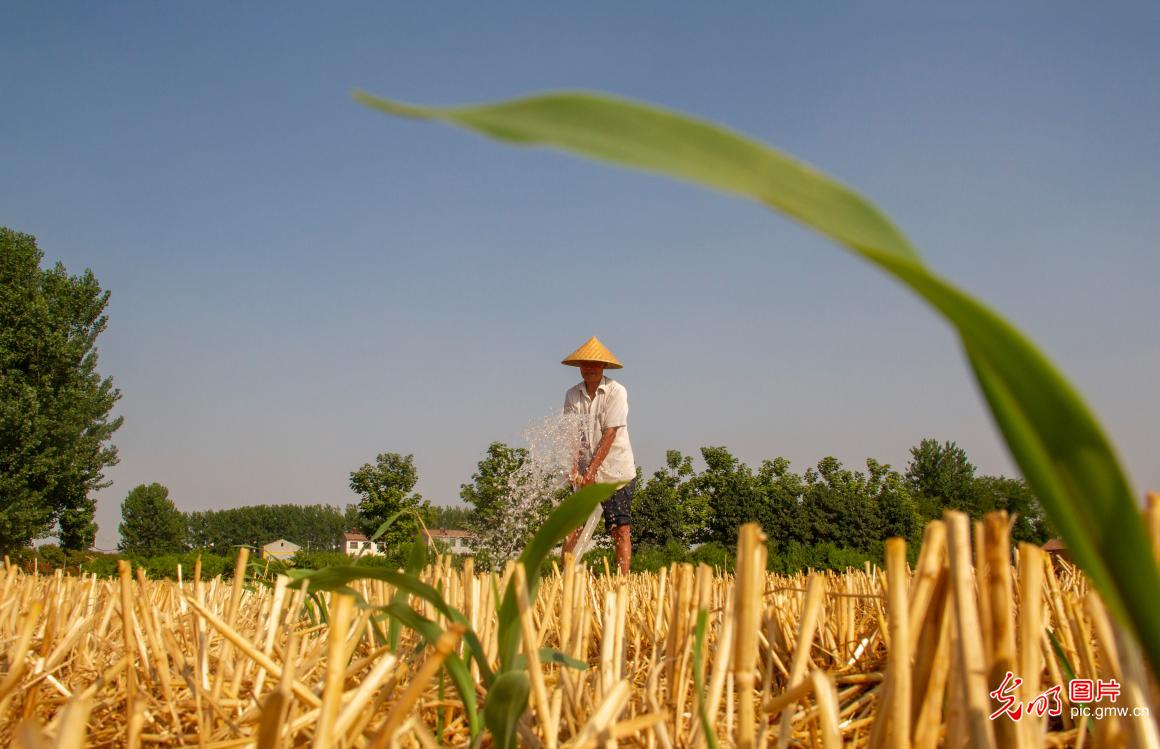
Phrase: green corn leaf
(323,613)
(1061,449)
(1064,663)
(333,578)
(458,670)
(386,524)
(565,518)
(416,560)
(699,678)
(551,655)
(506,701)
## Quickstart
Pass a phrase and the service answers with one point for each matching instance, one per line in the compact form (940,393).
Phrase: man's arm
(601,453)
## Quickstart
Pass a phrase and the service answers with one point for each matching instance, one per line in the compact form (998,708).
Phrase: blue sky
(299,283)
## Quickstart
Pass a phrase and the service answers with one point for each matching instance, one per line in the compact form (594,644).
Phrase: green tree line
(827,516)
(153,525)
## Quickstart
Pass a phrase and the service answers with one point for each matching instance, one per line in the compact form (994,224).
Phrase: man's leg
(618,521)
(571,539)
(622,534)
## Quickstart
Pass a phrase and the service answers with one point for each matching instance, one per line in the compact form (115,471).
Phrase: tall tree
(150,523)
(385,488)
(942,478)
(55,428)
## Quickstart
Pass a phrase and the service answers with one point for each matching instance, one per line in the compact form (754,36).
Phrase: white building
(456,542)
(280,549)
(356,544)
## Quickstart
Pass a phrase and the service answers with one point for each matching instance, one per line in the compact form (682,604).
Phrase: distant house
(280,549)
(456,542)
(356,544)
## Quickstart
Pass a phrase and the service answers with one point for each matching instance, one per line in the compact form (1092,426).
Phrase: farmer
(605,455)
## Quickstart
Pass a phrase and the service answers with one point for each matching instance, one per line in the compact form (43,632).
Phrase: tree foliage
(55,428)
(313,527)
(943,477)
(385,488)
(665,508)
(151,525)
(449,517)
(830,515)
(729,492)
(490,486)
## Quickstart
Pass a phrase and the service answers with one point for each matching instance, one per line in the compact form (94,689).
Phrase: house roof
(353,536)
(449,533)
(1055,544)
(282,544)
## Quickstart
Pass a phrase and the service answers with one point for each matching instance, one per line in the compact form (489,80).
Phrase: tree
(732,495)
(896,506)
(942,478)
(839,510)
(55,428)
(490,488)
(785,513)
(1016,497)
(151,524)
(450,517)
(660,505)
(384,490)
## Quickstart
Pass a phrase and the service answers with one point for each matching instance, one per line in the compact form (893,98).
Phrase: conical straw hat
(593,350)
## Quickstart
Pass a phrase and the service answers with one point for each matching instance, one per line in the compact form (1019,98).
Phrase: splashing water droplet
(534,488)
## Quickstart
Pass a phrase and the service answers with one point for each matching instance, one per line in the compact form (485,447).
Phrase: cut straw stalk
(999,592)
(747,612)
(898,658)
(931,567)
(341,608)
(811,611)
(300,690)
(972,677)
(531,652)
(1030,623)
(827,697)
(444,646)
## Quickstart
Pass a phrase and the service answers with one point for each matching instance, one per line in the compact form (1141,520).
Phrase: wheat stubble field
(894,656)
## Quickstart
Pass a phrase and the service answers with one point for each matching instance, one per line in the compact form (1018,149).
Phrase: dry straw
(867,657)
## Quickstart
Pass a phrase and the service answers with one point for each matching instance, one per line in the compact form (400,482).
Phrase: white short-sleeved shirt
(608,409)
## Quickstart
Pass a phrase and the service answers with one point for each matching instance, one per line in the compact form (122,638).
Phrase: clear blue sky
(299,283)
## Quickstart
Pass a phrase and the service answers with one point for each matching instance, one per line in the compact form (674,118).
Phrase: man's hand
(601,453)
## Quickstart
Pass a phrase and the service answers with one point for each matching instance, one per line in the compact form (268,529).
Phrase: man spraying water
(605,454)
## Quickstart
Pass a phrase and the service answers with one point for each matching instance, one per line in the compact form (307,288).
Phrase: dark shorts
(618,507)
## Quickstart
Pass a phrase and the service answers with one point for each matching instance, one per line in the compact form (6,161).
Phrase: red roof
(1055,544)
(353,536)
